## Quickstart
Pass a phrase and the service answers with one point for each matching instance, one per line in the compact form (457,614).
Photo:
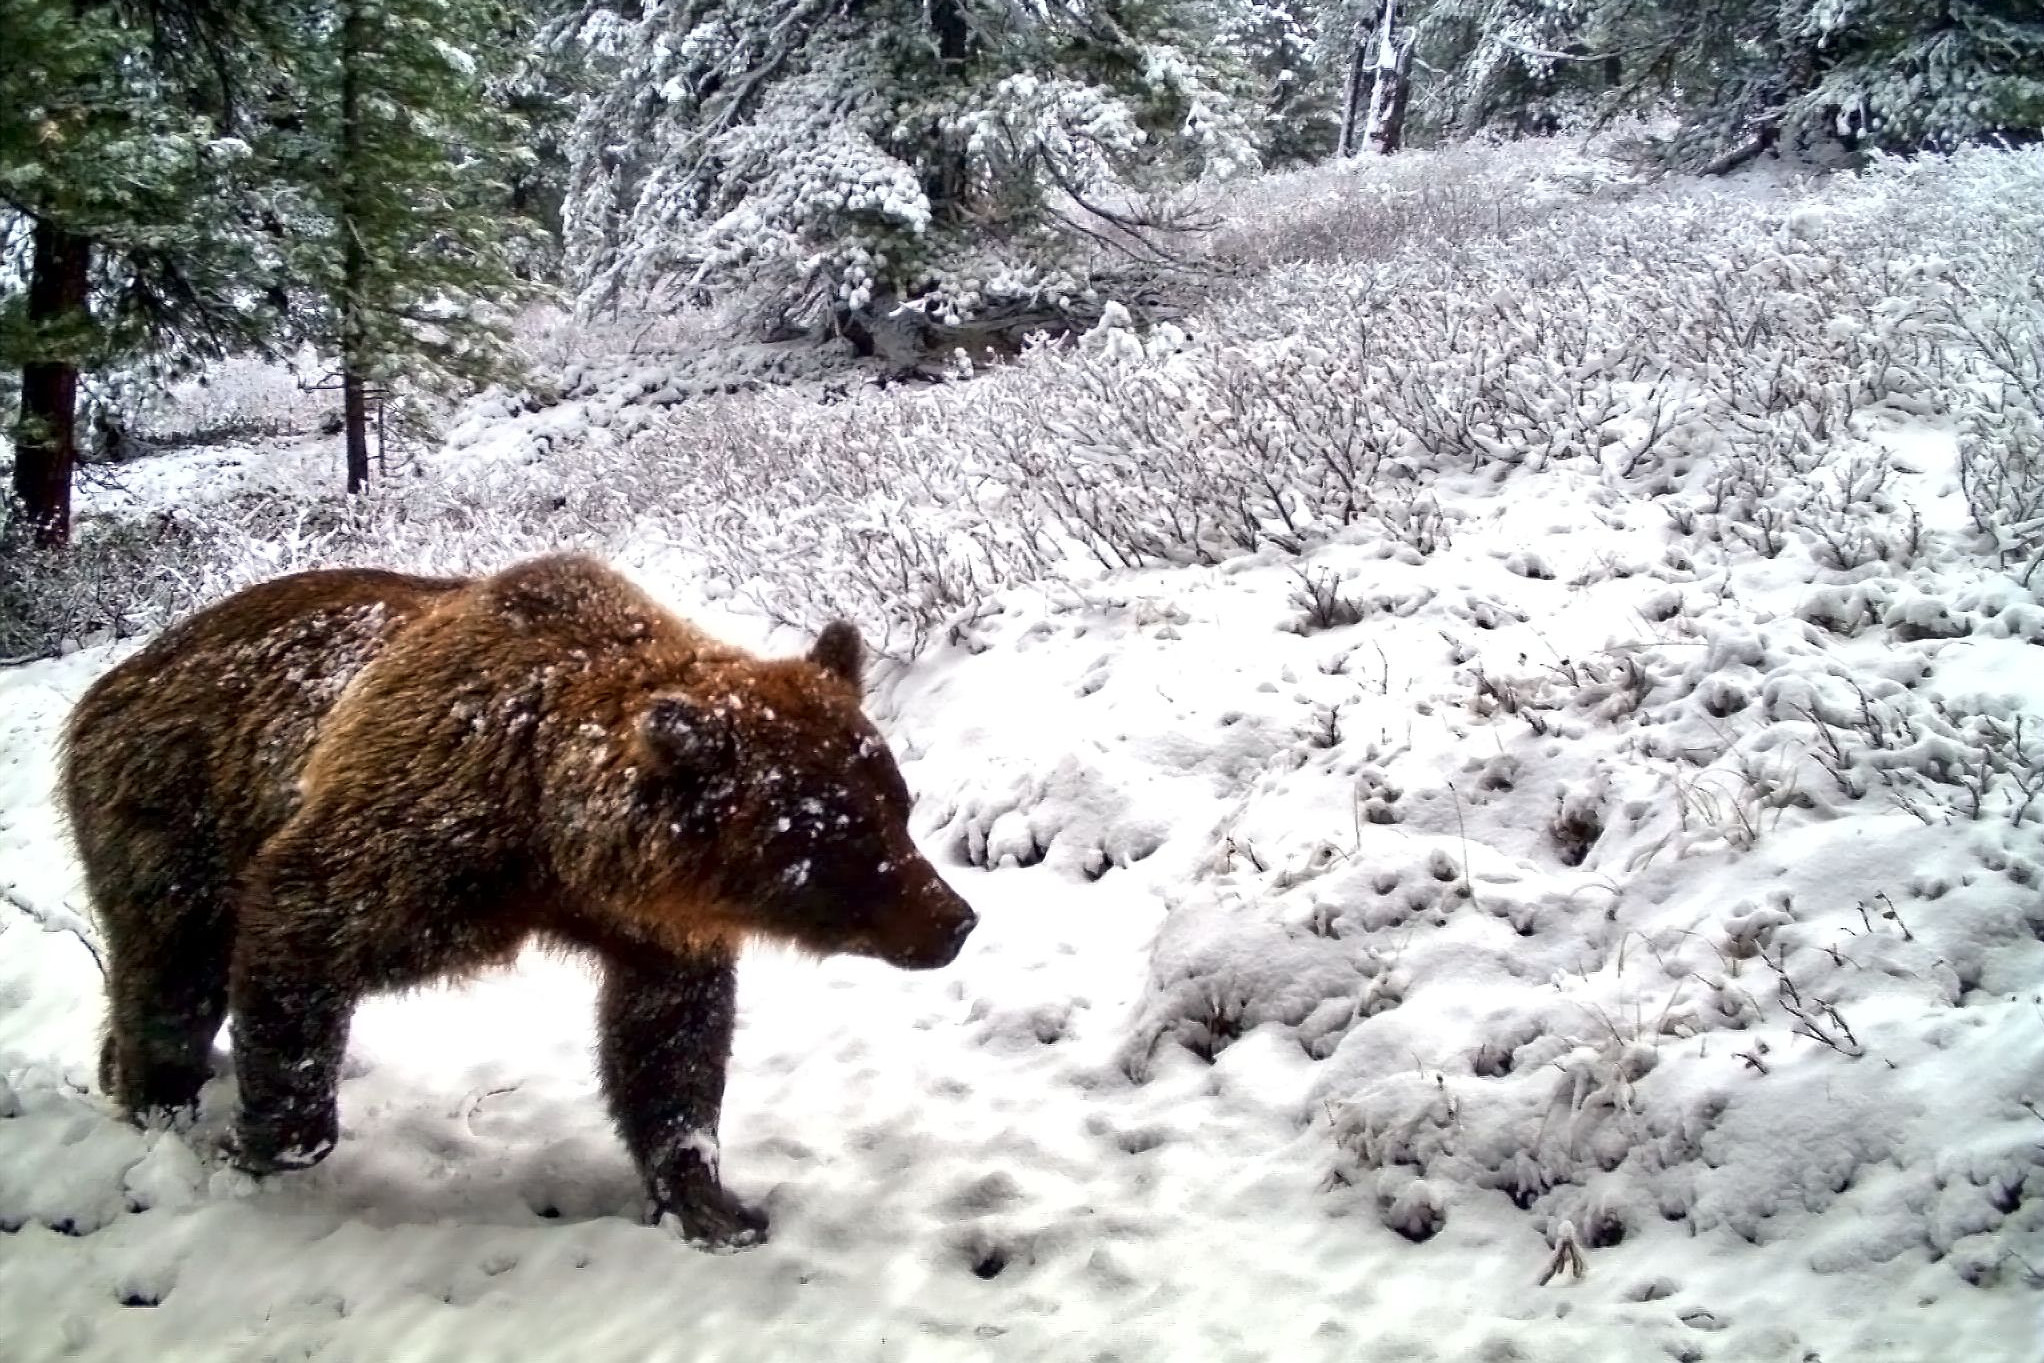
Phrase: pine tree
(538,85)
(399,223)
(1523,67)
(893,169)
(1745,76)
(1900,75)
(1296,119)
(122,206)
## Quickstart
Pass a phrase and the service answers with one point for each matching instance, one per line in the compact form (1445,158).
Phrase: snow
(909,1133)
(1565,860)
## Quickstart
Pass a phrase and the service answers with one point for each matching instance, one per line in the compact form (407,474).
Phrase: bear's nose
(966,923)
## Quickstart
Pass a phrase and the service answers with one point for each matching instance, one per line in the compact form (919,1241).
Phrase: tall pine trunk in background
(46,441)
(1352,100)
(355,37)
(945,180)
(126,174)
(1386,128)
(355,424)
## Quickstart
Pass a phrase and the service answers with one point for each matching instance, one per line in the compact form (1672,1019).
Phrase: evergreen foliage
(1524,67)
(1295,118)
(120,127)
(122,208)
(1744,76)
(1898,75)
(180,178)
(835,161)
(103,142)
(395,162)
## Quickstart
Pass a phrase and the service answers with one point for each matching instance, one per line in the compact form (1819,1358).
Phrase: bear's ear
(688,734)
(840,652)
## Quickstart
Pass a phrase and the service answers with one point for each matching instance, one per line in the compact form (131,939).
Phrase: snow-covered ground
(1555,861)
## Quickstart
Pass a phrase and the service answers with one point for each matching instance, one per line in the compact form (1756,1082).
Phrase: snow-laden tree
(1901,75)
(899,170)
(1295,118)
(126,225)
(539,88)
(1518,66)
(397,215)
(1745,76)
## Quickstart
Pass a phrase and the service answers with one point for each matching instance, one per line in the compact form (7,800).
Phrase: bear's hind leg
(664,1024)
(166,996)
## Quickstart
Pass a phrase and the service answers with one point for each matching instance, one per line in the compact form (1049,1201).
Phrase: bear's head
(792,814)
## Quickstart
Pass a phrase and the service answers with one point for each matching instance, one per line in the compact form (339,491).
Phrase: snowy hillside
(1501,766)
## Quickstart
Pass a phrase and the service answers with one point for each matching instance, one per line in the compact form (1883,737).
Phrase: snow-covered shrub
(871,508)
(1368,210)
(239,398)
(1998,340)
(129,574)
(1788,396)
(1716,353)
(109,584)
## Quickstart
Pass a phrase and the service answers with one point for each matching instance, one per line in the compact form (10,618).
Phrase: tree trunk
(954,34)
(46,439)
(354,363)
(1386,128)
(1352,105)
(945,179)
(355,420)
(354,40)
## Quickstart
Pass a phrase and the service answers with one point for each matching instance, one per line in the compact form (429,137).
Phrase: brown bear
(349,781)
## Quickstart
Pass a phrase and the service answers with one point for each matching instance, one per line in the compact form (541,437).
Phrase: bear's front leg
(291,1010)
(665,1022)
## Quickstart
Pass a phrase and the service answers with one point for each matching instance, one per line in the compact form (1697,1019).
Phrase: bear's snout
(940,936)
(967,921)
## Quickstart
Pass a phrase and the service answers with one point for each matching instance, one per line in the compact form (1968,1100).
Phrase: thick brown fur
(351,781)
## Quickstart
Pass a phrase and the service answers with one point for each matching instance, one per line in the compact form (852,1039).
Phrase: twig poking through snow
(1568,1254)
(1894,915)
(474,1101)
(1462,830)
(58,920)
(2036,1279)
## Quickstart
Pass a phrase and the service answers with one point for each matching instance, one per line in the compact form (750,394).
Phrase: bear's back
(565,603)
(560,634)
(203,733)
